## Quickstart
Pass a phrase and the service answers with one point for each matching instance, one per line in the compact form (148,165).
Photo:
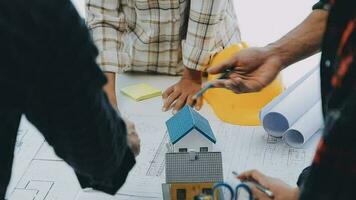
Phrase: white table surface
(37,167)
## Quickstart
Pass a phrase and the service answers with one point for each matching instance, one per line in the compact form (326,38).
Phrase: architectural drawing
(24,194)
(246,148)
(22,132)
(94,195)
(140,182)
(27,145)
(34,190)
(50,179)
(242,148)
(157,164)
(46,153)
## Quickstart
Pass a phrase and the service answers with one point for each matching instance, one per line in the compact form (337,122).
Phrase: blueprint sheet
(40,175)
(46,177)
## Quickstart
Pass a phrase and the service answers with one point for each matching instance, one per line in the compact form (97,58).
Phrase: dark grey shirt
(48,73)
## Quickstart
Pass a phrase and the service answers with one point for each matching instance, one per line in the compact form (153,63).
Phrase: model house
(191,174)
(189,131)
(192,168)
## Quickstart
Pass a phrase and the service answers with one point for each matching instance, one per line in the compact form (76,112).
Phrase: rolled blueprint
(305,127)
(286,113)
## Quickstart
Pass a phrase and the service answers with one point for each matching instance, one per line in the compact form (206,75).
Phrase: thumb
(222,66)
(252,174)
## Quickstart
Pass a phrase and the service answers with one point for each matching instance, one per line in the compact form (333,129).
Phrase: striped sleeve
(108,27)
(200,43)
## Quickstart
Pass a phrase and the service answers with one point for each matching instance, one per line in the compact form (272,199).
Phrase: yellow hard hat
(239,109)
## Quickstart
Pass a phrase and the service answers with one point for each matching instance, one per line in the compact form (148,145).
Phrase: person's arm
(67,104)
(200,44)
(303,41)
(107,24)
(255,68)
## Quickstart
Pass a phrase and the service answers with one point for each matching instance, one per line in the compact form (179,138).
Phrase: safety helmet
(239,109)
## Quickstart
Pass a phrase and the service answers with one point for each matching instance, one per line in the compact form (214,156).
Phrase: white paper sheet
(146,177)
(242,148)
(28,142)
(50,179)
(95,195)
(245,148)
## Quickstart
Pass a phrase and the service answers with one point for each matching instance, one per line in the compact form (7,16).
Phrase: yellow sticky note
(141,92)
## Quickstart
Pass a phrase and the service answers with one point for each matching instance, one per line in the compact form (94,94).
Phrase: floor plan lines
(157,165)
(34,190)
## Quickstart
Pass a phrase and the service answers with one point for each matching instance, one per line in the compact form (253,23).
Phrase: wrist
(192,75)
(295,193)
(109,88)
(278,53)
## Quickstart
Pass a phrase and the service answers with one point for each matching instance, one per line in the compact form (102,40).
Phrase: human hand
(109,89)
(281,190)
(133,139)
(182,92)
(253,69)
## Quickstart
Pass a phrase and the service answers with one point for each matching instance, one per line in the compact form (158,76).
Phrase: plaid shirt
(160,36)
(332,175)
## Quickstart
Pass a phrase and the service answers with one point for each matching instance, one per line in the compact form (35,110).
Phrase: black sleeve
(303,177)
(333,175)
(322,5)
(67,104)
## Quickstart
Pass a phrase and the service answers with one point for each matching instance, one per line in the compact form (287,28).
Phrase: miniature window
(204,149)
(181,194)
(183,150)
(207,191)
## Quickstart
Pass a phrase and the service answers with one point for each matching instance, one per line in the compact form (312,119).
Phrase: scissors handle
(246,188)
(233,194)
(223,185)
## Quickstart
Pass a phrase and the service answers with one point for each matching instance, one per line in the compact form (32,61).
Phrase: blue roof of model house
(186,120)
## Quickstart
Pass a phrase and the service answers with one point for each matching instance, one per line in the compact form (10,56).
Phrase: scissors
(234,194)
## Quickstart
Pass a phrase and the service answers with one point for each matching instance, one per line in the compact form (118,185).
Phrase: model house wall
(187,191)
(191,174)
(193,141)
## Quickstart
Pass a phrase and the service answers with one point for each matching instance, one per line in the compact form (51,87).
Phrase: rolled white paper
(305,127)
(286,113)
